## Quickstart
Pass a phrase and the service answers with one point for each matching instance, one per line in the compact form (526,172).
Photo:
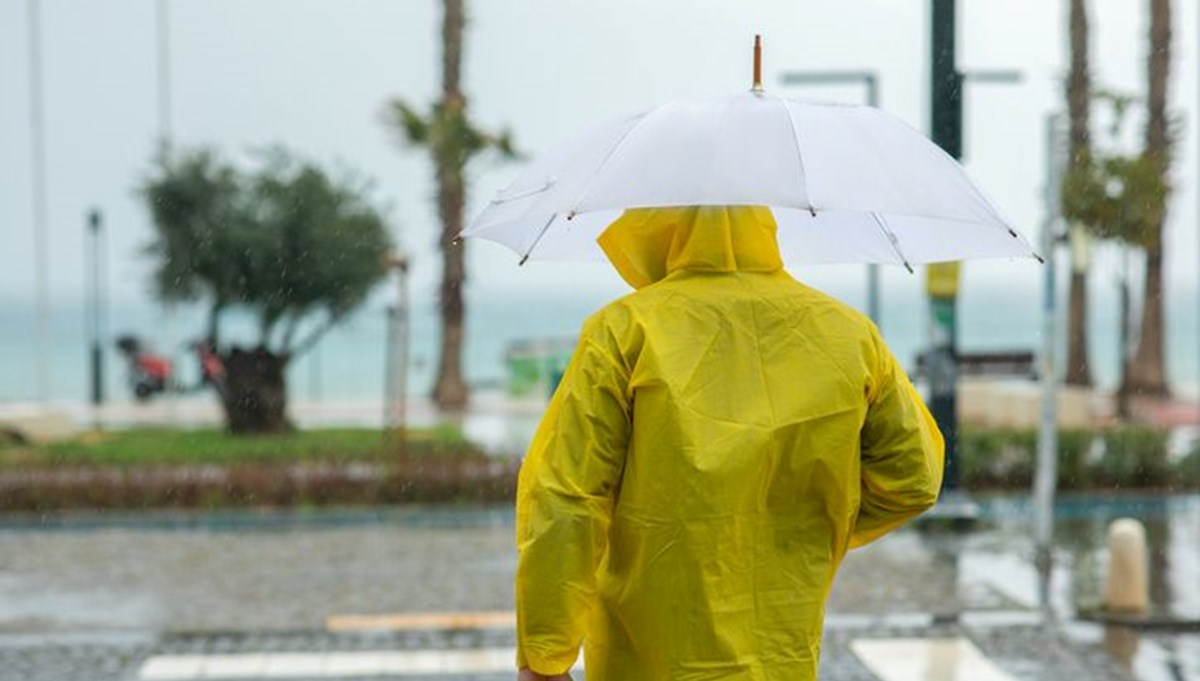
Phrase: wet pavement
(94,598)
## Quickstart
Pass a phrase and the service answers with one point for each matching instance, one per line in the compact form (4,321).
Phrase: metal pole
(163,26)
(402,369)
(873,290)
(162,19)
(871,81)
(1046,475)
(95,297)
(946,81)
(946,127)
(102,301)
(401,413)
(389,372)
(1125,335)
(41,251)
(946,122)
(396,400)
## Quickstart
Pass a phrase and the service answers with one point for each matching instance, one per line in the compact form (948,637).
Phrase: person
(721,437)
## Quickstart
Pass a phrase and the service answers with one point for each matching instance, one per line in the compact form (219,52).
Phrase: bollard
(1126,589)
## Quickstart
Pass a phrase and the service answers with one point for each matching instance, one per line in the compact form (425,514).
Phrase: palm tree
(452,141)
(1147,371)
(1079,151)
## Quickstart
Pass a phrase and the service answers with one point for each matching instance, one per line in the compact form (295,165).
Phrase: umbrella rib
(799,154)
(892,239)
(537,239)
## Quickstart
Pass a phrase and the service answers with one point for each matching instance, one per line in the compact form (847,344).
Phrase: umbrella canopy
(847,184)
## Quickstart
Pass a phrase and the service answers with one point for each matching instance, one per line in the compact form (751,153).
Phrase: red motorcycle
(150,374)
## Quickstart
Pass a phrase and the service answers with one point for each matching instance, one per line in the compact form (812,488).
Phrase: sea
(350,362)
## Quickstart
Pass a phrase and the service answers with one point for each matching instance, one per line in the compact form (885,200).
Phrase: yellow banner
(941,279)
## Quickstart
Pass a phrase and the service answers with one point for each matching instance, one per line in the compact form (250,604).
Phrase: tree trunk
(450,390)
(1125,338)
(1079,85)
(1147,372)
(1079,155)
(254,392)
(1078,371)
(1147,376)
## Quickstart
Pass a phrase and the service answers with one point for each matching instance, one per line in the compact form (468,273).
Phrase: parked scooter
(150,374)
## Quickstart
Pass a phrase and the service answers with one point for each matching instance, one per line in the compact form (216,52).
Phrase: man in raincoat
(721,438)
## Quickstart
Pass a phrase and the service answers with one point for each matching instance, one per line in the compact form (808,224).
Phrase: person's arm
(564,505)
(902,454)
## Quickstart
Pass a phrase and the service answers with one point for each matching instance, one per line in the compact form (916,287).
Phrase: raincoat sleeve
(902,453)
(565,498)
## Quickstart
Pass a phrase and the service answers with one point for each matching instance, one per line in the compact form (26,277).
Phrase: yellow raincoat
(721,437)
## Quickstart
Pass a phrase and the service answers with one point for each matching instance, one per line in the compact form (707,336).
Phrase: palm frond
(409,122)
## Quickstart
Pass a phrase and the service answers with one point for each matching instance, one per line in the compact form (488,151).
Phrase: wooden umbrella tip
(757,84)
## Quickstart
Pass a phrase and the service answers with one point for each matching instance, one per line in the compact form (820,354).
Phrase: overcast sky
(315,74)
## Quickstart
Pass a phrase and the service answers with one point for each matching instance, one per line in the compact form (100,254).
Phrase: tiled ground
(96,602)
(1023,653)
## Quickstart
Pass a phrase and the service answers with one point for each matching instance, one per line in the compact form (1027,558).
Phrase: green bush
(1134,457)
(996,459)
(1187,471)
(1074,471)
(1005,458)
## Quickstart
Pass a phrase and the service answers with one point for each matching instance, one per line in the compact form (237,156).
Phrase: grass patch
(155,447)
(209,469)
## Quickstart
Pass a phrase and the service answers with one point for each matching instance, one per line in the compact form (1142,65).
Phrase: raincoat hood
(647,244)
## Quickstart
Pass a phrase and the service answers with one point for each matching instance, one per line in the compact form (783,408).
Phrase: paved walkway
(287,597)
(871,653)
(502,423)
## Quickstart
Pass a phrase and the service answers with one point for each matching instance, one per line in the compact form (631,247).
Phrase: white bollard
(1127,589)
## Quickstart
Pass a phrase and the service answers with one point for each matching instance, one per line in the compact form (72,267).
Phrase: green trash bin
(536,366)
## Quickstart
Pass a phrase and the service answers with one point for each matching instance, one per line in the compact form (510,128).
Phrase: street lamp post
(942,279)
(37,160)
(396,380)
(1046,475)
(871,81)
(96,302)
(162,31)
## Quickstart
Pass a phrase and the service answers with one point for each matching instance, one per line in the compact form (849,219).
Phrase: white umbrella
(847,184)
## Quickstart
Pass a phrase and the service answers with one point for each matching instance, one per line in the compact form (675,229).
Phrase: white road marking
(363,664)
(913,659)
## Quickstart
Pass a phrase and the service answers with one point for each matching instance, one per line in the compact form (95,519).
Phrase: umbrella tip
(1040,259)
(757,85)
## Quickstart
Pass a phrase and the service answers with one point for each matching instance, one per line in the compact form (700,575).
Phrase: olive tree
(288,243)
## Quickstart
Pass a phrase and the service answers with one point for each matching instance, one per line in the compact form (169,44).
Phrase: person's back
(723,436)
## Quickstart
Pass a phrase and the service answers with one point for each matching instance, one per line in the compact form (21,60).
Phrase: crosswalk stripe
(327,665)
(911,659)
(423,620)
